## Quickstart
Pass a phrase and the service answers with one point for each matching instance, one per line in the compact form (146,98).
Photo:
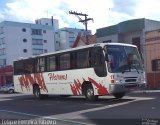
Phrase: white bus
(93,70)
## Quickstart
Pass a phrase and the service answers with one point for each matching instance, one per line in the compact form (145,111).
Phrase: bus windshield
(123,59)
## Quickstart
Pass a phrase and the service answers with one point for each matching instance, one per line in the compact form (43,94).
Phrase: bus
(91,71)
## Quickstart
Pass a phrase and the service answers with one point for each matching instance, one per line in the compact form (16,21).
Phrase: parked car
(9,88)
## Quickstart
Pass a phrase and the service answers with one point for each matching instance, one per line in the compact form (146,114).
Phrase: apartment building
(25,39)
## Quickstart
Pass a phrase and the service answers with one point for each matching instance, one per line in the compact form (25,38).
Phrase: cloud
(29,10)
(104,12)
(148,9)
(126,6)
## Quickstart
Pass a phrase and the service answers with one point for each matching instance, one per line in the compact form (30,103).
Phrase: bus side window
(18,68)
(28,66)
(73,60)
(83,59)
(40,64)
(65,62)
(99,63)
(51,63)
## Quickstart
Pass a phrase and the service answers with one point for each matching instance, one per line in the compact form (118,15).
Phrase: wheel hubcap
(37,94)
(89,93)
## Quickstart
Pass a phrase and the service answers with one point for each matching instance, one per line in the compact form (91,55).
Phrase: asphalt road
(134,108)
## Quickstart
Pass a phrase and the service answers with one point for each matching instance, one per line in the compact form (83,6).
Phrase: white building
(67,37)
(25,39)
(48,22)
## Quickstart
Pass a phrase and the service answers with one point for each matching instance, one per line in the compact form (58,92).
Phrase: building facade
(67,37)
(24,39)
(83,40)
(131,32)
(152,50)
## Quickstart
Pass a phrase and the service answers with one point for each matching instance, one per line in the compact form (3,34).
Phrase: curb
(147,91)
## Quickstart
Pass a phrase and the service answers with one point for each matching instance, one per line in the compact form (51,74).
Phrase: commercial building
(152,49)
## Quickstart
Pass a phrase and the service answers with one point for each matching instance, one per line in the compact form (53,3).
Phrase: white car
(9,88)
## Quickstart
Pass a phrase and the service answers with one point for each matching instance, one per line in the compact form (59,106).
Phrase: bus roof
(77,48)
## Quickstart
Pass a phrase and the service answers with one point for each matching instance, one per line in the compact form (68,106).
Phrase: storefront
(6,75)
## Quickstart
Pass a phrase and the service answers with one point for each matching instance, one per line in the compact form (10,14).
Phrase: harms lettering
(53,76)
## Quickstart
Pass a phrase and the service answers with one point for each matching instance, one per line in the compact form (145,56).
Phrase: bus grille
(130,80)
(130,85)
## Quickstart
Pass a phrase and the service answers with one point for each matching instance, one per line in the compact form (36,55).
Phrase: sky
(104,12)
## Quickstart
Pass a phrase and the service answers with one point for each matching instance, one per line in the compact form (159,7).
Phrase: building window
(2,41)
(36,31)
(37,51)
(1,30)
(24,40)
(25,50)
(2,51)
(37,42)
(156,65)
(45,51)
(65,61)
(44,31)
(45,41)
(24,29)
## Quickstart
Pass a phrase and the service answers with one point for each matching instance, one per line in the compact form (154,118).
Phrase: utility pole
(82,21)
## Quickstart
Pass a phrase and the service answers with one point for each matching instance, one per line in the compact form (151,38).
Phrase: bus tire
(89,93)
(36,92)
(119,95)
(11,91)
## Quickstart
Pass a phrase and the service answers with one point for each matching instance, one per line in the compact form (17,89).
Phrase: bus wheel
(118,95)
(36,92)
(11,91)
(89,94)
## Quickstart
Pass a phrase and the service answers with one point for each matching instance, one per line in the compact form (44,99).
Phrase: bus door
(99,62)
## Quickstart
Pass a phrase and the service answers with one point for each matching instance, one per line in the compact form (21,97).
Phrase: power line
(84,21)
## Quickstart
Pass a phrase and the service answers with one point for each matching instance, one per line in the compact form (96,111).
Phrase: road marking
(77,114)
(19,113)
(5,100)
(147,91)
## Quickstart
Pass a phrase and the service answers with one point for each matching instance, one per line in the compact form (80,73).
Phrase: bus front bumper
(125,87)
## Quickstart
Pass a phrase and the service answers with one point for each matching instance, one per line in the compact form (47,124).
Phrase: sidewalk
(146,91)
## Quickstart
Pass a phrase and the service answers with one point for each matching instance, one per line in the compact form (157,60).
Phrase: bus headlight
(142,80)
(116,81)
